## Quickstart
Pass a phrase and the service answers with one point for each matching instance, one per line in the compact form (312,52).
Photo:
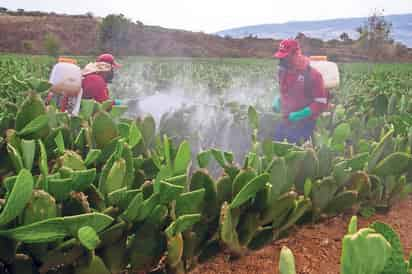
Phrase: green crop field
(147,190)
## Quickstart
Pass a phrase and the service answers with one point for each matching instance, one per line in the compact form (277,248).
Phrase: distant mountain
(325,29)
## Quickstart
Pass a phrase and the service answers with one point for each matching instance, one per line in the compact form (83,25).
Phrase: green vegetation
(375,250)
(102,193)
(51,45)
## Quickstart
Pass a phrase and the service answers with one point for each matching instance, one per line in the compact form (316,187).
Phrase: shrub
(51,45)
(27,46)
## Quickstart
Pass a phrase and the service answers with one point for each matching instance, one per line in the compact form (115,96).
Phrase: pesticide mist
(204,102)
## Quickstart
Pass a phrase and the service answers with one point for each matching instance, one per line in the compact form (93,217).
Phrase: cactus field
(106,192)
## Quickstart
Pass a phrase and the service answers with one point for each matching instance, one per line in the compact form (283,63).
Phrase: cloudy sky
(216,15)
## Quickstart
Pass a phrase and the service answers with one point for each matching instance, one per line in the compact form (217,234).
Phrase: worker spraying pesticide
(303,95)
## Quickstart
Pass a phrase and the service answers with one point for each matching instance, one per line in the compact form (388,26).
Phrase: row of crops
(101,193)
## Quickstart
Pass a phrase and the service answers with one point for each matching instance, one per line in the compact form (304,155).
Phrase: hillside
(27,33)
(325,29)
(79,35)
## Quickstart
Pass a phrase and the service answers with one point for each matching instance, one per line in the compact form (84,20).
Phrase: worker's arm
(319,95)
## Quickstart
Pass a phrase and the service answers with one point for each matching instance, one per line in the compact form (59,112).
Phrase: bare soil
(317,248)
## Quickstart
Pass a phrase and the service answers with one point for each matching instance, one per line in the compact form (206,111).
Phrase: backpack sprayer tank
(329,70)
(66,77)
(66,81)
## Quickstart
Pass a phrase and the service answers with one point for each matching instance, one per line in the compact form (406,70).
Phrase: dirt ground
(317,248)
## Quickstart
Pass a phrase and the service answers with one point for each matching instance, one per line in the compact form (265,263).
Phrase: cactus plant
(76,204)
(241,180)
(115,255)
(249,190)
(115,178)
(88,237)
(294,161)
(19,195)
(96,265)
(325,156)
(58,228)
(15,157)
(323,192)
(396,262)
(229,219)
(190,202)
(28,148)
(71,159)
(40,207)
(341,202)
(364,251)
(146,248)
(104,129)
(278,178)
(201,179)
(31,109)
(378,151)
(360,183)
(286,261)
(309,170)
(394,164)
(278,210)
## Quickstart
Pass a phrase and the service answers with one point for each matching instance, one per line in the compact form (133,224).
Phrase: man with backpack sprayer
(302,94)
(70,84)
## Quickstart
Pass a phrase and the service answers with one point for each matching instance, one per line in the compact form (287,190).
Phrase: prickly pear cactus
(241,180)
(175,252)
(72,160)
(396,262)
(278,209)
(360,183)
(229,220)
(364,251)
(116,177)
(41,206)
(95,266)
(341,202)
(249,190)
(248,225)
(32,108)
(146,248)
(394,164)
(323,192)
(294,161)
(201,179)
(76,204)
(286,261)
(104,129)
(17,198)
(115,255)
(309,170)
(325,157)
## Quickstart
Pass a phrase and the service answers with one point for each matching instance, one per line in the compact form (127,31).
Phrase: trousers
(294,133)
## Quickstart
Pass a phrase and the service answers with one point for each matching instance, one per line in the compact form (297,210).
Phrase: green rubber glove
(276,104)
(118,102)
(299,115)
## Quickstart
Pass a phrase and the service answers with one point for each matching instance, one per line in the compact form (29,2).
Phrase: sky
(215,15)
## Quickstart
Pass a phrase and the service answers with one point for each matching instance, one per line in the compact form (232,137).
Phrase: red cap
(108,58)
(286,47)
